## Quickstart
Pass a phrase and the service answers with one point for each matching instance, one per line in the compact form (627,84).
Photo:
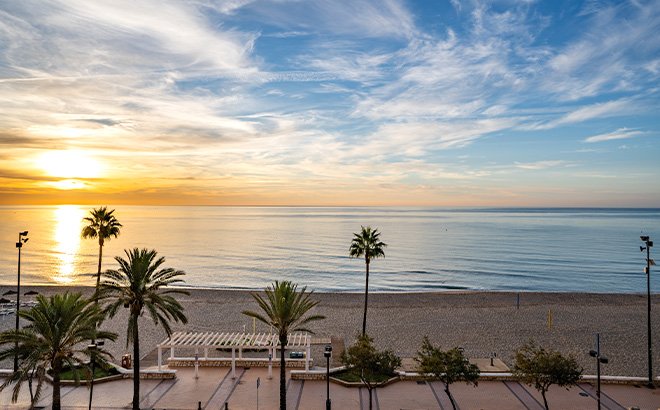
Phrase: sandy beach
(480,322)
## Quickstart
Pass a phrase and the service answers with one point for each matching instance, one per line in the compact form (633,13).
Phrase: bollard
(199,405)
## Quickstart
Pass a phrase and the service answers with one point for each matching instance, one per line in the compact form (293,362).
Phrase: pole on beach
(19,245)
(649,244)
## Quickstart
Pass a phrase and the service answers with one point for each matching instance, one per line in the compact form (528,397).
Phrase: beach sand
(480,322)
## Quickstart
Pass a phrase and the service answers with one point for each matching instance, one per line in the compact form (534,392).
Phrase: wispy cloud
(538,165)
(620,134)
(600,110)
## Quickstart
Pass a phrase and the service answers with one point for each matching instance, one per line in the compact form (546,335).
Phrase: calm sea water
(594,250)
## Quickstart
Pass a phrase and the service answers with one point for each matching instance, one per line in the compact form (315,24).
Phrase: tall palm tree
(53,339)
(284,308)
(103,225)
(140,284)
(366,243)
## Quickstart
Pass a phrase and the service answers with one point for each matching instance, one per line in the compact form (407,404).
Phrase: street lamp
(649,244)
(327,354)
(22,238)
(599,359)
(92,355)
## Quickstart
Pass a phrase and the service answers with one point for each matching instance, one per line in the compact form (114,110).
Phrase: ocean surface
(429,249)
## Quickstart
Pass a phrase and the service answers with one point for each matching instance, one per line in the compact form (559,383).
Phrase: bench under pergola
(234,341)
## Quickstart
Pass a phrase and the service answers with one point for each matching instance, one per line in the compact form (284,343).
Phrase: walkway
(215,386)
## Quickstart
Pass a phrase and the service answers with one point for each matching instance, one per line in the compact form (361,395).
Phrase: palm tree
(102,225)
(284,308)
(53,340)
(138,285)
(366,243)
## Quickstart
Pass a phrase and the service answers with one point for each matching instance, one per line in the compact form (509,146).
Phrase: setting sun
(69,164)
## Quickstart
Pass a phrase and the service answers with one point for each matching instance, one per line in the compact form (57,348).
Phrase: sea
(428,249)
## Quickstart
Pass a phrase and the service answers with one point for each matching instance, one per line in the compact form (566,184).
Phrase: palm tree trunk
(98,275)
(283,343)
(366,298)
(57,401)
(136,363)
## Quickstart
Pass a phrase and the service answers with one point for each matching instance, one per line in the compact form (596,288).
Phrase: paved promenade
(215,387)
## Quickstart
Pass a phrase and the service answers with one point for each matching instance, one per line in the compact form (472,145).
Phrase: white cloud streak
(620,134)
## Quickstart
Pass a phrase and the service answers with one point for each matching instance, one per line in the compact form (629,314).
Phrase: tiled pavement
(215,387)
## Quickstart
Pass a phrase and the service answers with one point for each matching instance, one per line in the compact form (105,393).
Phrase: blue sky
(503,103)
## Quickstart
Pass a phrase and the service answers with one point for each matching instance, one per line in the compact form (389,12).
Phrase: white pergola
(234,341)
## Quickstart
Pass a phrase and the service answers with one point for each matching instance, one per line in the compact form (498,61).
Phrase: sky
(326,102)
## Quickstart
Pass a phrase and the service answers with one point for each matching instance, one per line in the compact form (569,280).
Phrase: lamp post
(92,355)
(22,238)
(599,359)
(327,354)
(649,244)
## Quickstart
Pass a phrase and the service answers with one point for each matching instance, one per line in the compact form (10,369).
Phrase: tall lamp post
(22,238)
(599,359)
(327,354)
(649,244)
(92,356)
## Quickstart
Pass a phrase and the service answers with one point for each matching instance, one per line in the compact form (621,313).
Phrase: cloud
(538,165)
(600,110)
(370,18)
(616,38)
(621,133)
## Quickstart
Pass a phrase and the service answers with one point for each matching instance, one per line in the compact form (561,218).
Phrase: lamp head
(593,353)
(642,248)
(644,238)
(24,233)
(25,239)
(604,360)
(328,351)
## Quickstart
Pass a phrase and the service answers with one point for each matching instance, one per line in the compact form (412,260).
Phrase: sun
(69,164)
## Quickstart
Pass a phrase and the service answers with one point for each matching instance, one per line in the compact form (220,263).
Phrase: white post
(206,352)
(270,364)
(196,366)
(233,363)
(240,352)
(172,352)
(160,357)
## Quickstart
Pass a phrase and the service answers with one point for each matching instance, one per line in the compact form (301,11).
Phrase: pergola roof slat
(233,339)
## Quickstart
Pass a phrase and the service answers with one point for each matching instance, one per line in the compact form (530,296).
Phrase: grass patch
(67,373)
(351,376)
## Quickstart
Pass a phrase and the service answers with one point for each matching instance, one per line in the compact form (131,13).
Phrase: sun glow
(70,164)
(67,242)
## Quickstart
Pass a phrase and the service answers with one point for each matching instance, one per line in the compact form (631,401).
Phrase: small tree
(373,367)
(542,368)
(447,366)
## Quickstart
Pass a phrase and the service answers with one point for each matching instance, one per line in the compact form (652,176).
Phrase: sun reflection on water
(68,219)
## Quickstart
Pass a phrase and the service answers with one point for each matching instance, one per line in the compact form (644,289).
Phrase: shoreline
(4,287)
(482,322)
